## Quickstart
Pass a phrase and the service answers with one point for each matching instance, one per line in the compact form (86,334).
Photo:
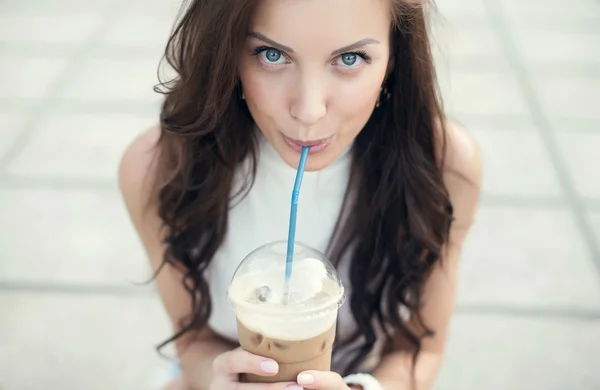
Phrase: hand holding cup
(229,366)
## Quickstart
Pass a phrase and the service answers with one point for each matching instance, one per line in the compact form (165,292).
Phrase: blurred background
(76,82)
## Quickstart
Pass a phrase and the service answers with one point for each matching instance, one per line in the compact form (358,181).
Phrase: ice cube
(263,293)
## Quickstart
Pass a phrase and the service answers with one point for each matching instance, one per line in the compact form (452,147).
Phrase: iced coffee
(297,332)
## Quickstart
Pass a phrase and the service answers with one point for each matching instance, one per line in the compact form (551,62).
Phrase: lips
(315,145)
(308,143)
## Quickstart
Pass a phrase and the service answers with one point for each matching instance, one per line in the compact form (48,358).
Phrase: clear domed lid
(259,280)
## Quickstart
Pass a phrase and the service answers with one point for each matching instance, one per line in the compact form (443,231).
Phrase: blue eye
(353,60)
(272,55)
(349,59)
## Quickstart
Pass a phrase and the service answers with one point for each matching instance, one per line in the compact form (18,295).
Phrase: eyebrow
(355,45)
(277,45)
(270,42)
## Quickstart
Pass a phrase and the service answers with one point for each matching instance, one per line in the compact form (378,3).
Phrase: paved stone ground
(75,87)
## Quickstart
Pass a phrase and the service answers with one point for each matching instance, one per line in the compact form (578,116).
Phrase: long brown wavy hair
(400,213)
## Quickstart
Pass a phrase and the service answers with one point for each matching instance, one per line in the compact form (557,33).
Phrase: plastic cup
(298,334)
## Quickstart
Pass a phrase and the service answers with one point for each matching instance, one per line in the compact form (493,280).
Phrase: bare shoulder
(462,155)
(462,171)
(137,170)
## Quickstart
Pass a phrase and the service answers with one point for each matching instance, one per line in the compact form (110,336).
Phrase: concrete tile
(28,77)
(581,152)
(136,30)
(79,146)
(114,80)
(40,49)
(537,22)
(472,11)
(594,218)
(81,342)
(497,122)
(167,9)
(142,24)
(37,6)
(499,353)
(575,125)
(569,97)
(542,49)
(516,163)
(483,93)
(551,10)
(10,125)
(460,40)
(80,237)
(525,258)
(466,48)
(58,27)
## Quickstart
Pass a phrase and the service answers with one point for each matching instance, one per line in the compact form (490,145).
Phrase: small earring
(378,103)
(382,92)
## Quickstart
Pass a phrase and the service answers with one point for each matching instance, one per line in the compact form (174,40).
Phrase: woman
(390,191)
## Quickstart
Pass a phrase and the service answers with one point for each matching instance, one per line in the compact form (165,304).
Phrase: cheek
(355,101)
(261,93)
(361,93)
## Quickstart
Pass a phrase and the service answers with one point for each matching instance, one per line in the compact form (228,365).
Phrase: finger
(243,362)
(269,386)
(222,383)
(322,380)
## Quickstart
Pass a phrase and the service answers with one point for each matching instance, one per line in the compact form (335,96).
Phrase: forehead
(322,22)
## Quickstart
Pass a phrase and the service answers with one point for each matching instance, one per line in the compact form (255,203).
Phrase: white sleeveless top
(262,216)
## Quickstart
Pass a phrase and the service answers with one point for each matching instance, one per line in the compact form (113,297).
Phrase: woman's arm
(137,171)
(395,369)
(462,176)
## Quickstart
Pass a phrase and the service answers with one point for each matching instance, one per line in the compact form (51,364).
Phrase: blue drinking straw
(292,228)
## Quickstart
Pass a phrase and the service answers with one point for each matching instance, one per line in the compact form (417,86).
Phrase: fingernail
(294,387)
(269,366)
(306,379)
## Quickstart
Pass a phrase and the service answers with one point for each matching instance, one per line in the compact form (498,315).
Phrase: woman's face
(312,71)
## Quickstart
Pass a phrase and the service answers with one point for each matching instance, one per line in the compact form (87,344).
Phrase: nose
(309,105)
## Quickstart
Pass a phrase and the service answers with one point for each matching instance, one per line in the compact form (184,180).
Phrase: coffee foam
(287,328)
(312,310)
